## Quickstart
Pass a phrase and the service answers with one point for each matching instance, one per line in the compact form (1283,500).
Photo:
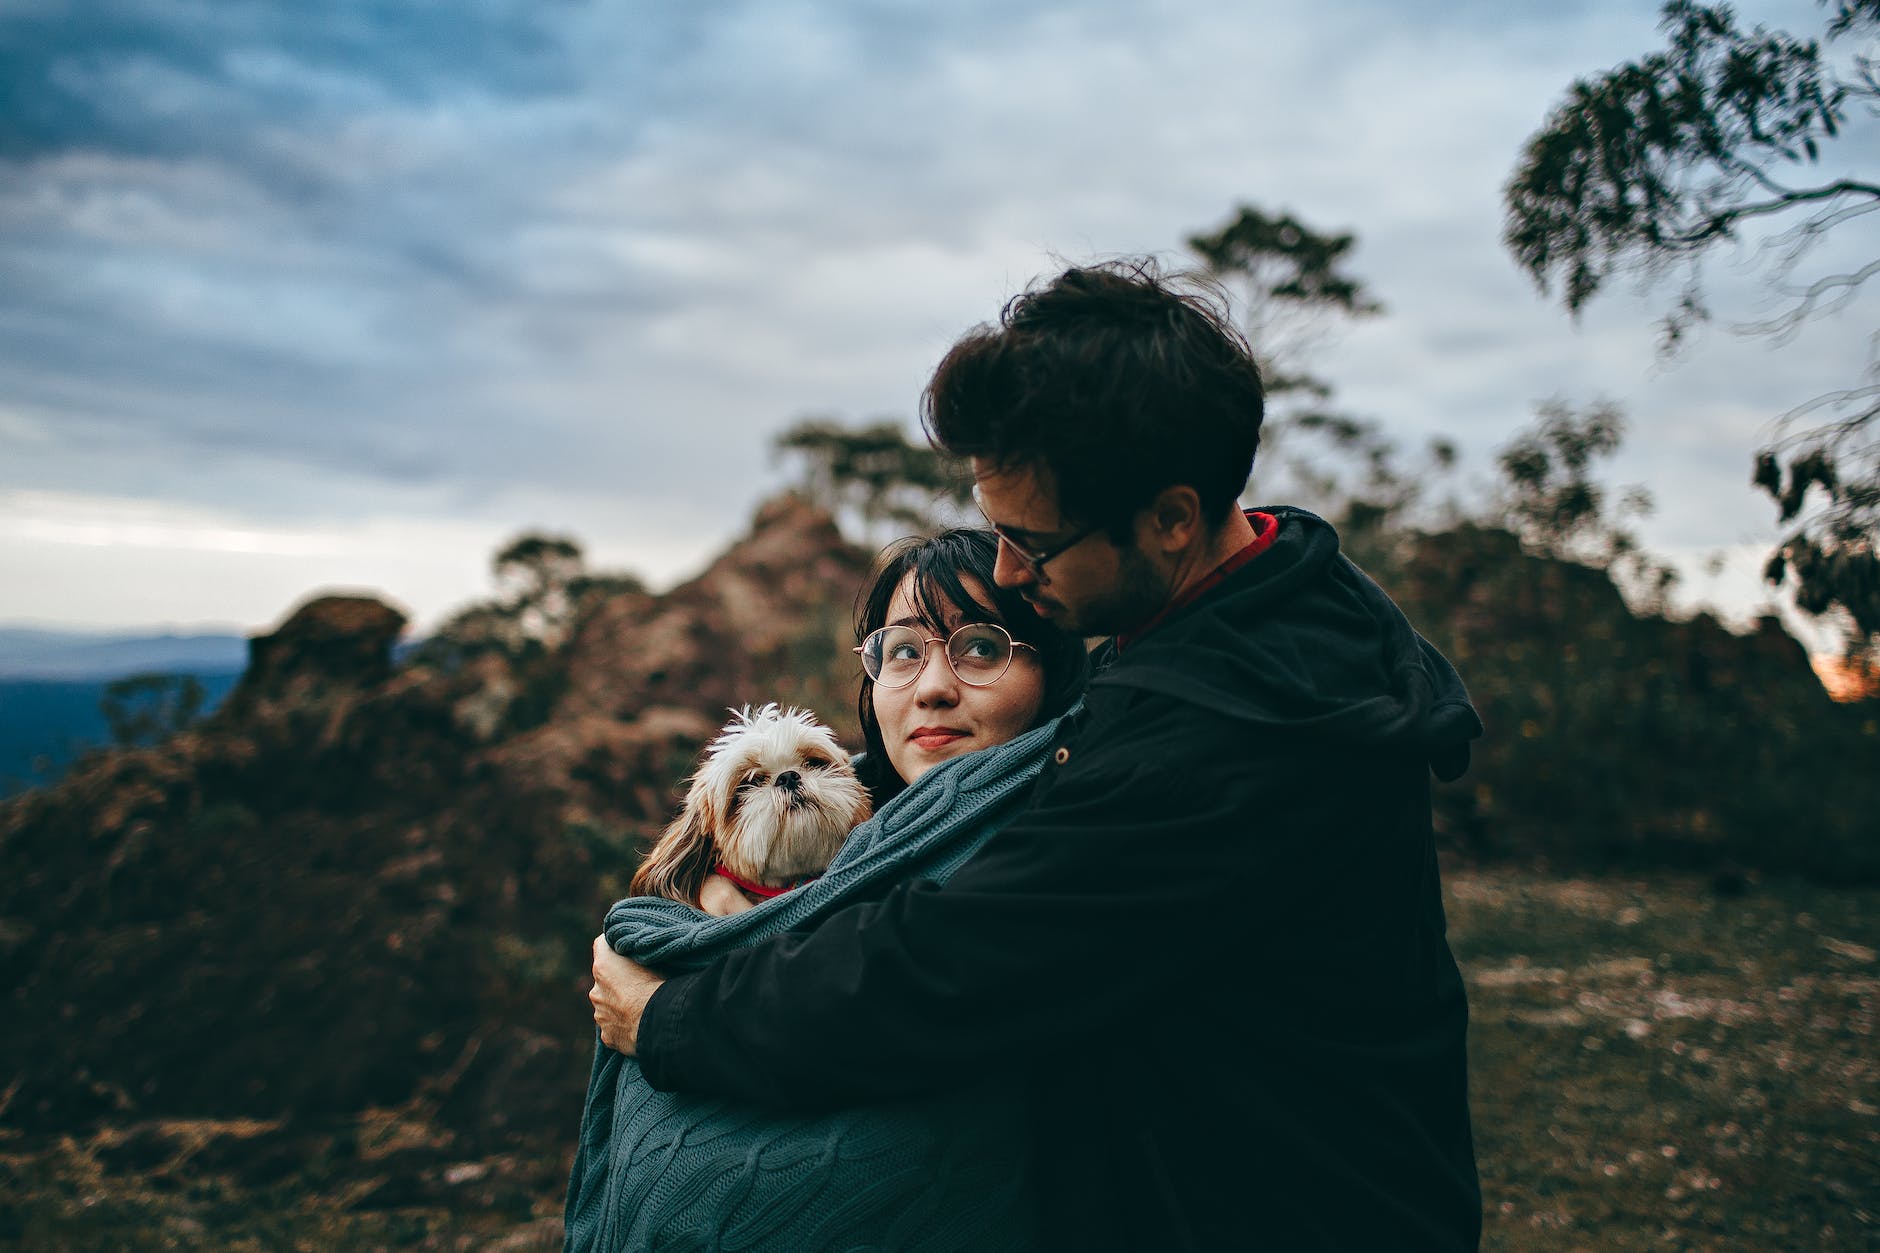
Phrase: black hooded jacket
(1213,944)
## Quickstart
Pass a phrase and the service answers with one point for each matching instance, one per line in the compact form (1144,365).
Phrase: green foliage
(535,569)
(1551,497)
(874,473)
(543,590)
(535,962)
(1289,281)
(1833,557)
(145,709)
(1292,290)
(1650,167)
(1608,723)
(544,593)
(1658,160)
(1618,739)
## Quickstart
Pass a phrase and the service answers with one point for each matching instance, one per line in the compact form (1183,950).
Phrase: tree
(537,577)
(145,709)
(1293,290)
(543,588)
(873,471)
(535,569)
(1549,497)
(1652,167)
(1290,286)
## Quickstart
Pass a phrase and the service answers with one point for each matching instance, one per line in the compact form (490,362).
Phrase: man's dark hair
(1119,381)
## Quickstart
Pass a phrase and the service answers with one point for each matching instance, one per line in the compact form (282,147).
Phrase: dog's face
(773,800)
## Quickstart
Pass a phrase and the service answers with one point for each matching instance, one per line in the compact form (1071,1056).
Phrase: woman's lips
(931,738)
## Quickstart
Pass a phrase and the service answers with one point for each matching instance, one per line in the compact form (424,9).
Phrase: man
(1214,942)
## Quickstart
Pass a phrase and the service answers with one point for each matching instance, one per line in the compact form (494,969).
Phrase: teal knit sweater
(669,1171)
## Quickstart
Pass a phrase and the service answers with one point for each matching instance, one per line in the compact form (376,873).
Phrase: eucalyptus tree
(875,473)
(1734,138)
(1293,290)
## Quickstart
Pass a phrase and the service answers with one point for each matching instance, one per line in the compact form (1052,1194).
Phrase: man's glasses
(1033,559)
(979,653)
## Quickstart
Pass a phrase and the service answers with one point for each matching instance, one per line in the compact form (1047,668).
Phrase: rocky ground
(1655,1066)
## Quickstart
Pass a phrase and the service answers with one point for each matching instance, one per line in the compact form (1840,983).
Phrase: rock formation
(356,883)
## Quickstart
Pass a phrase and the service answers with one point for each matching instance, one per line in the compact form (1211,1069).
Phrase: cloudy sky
(295,296)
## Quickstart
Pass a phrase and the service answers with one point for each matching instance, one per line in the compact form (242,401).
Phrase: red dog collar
(760,889)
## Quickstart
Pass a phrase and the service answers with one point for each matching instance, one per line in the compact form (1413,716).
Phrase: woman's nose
(937,683)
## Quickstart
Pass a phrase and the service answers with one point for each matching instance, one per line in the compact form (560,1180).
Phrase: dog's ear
(676,866)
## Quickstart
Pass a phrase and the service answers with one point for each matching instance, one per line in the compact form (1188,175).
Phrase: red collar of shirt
(1265,531)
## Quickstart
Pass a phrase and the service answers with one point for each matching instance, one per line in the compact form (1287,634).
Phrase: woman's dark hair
(1117,379)
(940,565)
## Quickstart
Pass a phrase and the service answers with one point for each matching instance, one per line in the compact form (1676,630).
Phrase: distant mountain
(45,724)
(28,653)
(51,683)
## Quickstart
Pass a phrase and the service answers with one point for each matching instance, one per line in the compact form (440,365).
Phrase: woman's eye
(903,652)
(980,647)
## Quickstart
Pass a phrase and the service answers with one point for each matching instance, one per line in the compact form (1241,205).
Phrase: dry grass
(385,1180)
(1655,1066)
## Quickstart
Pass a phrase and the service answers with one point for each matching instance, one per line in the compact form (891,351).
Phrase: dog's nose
(789,780)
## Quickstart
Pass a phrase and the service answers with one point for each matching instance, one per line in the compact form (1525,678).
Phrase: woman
(924,714)
(942,584)
(961,683)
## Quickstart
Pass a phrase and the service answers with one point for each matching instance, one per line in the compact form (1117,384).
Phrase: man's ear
(1173,519)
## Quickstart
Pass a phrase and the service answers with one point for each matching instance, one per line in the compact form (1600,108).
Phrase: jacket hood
(1302,641)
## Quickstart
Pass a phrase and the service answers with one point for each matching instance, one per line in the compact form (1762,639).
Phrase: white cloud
(46,518)
(126,561)
(462,307)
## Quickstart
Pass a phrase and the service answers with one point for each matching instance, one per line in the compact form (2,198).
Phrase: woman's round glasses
(979,653)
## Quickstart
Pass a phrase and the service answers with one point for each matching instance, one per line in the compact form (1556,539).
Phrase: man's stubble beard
(1138,595)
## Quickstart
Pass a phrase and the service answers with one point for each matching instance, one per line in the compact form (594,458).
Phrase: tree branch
(1721,222)
(1809,298)
(1831,399)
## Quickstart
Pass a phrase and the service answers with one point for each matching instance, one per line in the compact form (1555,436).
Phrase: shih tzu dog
(769,806)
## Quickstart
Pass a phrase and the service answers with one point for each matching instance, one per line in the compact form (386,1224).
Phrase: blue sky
(345,295)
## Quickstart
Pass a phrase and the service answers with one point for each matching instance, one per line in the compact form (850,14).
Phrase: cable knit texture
(670,1171)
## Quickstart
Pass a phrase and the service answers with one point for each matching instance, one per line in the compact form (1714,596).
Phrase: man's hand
(619,996)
